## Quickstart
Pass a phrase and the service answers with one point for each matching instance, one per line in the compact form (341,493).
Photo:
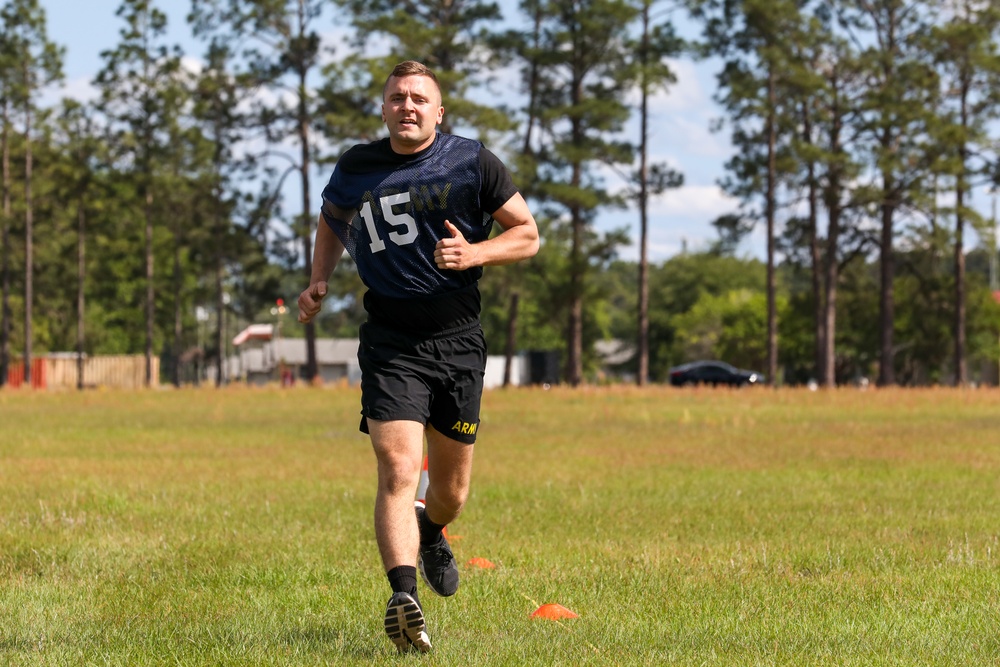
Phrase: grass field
(685,527)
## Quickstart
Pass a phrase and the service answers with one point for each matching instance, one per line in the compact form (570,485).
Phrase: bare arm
(326,254)
(517,241)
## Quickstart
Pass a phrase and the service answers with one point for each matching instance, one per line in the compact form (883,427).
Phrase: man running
(415,212)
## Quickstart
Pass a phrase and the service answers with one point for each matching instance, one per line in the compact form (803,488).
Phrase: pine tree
(965,53)
(35,63)
(656,44)
(756,40)
(897,105)
(78,142)
(837,115)
(7,87)
(284,52)
(217,94)
(449,36)
(139,93)
(577,68)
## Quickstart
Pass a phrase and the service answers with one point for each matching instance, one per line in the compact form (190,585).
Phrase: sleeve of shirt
(339,191)
(497,186)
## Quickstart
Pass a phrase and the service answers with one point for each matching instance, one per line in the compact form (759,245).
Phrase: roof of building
(266,355)
(615,351)
(254,332)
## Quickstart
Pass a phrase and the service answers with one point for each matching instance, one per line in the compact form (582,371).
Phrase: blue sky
(679,127)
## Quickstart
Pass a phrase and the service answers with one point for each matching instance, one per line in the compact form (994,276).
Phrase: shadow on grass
(358,643)
(19,644)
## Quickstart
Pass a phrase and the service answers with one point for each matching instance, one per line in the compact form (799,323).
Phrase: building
(262,357)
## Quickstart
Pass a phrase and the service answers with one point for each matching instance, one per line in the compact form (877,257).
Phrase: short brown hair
(411,68)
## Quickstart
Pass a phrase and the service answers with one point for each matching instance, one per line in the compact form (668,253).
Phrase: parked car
(713,373)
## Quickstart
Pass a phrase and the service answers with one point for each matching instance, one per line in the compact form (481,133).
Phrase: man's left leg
(449,472)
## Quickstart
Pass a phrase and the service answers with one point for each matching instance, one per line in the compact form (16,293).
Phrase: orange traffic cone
(553,612)
(482,563)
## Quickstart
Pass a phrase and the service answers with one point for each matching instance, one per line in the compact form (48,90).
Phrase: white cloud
(78,88)
(708,201)
(689,93)
(192,65)
(679,220)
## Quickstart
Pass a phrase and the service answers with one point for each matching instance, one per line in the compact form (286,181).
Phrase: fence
(60,372)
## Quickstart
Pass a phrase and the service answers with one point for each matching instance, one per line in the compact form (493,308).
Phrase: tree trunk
(834,209)
(175,362)
(574,358)
(533,84)
(814,252)
(29,250)
(312,366)
(220,325)
(150,293)
(642,372)
(772,317)
(81,272)
(831,281)
(5,314)
(961,367)
(887,306)
(511,339)
(218,233)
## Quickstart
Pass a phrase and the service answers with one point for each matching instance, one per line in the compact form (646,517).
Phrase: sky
(679,126)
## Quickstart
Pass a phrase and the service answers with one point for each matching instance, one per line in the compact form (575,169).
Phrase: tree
(217,94)
(8,62)
(900,93)
(76,175)
(681,282)
(140,92)
(841,78)
(577,67)
(283,53)
(730,326)
(827,95)
(759,41)
(966,55)
(450,37)
(37,62)
(656,44)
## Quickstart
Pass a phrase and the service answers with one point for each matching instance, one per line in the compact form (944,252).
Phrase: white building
(262,358)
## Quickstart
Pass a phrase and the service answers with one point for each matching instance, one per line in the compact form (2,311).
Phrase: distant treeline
(155,219)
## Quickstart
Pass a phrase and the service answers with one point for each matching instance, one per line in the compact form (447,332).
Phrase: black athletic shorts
(435,380)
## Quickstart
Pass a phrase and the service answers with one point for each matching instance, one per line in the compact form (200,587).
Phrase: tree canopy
(179,205)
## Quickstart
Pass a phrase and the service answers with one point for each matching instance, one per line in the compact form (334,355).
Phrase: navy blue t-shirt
(401,203)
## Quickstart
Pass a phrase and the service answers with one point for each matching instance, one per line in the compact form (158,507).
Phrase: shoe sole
(404,623)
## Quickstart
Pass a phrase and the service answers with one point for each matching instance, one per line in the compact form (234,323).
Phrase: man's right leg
(398,448)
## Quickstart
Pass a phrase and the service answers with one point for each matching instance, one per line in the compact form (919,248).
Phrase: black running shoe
(404,623)
(437,564)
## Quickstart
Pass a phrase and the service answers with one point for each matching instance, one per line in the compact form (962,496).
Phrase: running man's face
(411,110)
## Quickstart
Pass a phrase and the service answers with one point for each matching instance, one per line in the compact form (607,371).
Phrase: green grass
(685,527)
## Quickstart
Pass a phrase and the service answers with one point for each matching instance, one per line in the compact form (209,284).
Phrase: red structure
(15,374)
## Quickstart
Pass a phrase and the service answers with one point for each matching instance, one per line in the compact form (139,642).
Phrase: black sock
(430,532)
(403,579)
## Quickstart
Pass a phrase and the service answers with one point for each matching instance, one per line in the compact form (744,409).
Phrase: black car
(713,373)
